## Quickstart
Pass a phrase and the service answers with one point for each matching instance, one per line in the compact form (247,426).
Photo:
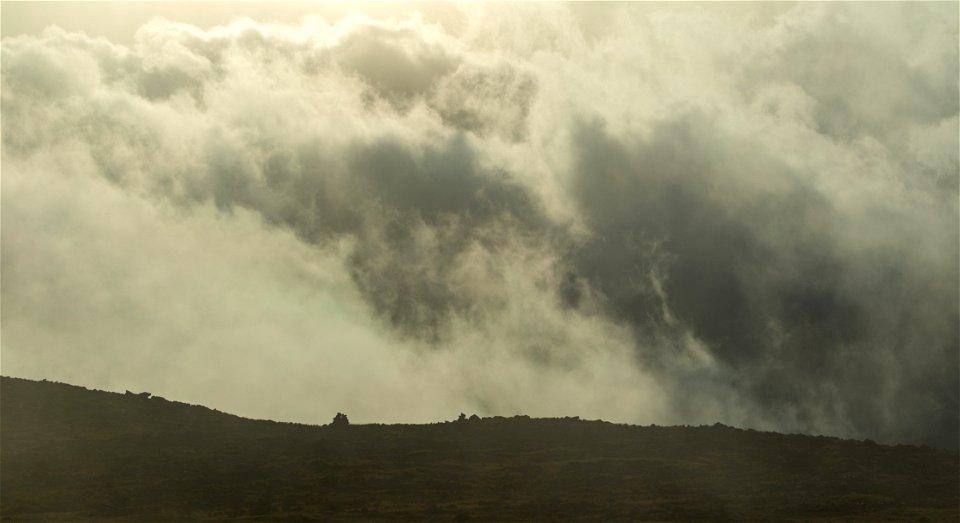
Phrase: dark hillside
(68,453)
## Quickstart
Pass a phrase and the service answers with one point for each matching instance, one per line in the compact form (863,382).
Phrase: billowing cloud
(644,214)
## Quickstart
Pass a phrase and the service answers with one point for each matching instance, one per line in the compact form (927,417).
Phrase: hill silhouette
(68,453)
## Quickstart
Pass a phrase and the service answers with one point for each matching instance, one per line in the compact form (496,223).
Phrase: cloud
(674,216)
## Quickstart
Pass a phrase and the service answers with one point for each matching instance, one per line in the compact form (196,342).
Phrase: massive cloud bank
(627,212)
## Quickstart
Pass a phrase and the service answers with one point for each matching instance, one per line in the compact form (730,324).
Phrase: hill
(68,453)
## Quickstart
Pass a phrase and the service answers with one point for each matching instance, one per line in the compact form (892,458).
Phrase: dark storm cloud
(414,211)
(800,319)
(731,233)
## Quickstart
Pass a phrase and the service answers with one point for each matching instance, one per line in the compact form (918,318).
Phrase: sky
(643,213)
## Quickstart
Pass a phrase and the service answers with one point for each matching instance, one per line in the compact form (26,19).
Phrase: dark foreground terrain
(69,454)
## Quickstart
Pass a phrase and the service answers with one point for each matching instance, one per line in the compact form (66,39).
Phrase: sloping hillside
(69,453)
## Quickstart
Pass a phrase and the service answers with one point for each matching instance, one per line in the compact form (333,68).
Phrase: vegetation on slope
(68,453)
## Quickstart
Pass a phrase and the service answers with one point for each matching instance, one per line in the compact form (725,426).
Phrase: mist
(641,213)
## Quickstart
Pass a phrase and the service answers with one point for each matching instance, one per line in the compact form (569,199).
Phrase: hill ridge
(518,417)
(71,453)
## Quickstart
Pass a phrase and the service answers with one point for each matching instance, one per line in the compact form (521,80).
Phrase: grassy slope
(69,453)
